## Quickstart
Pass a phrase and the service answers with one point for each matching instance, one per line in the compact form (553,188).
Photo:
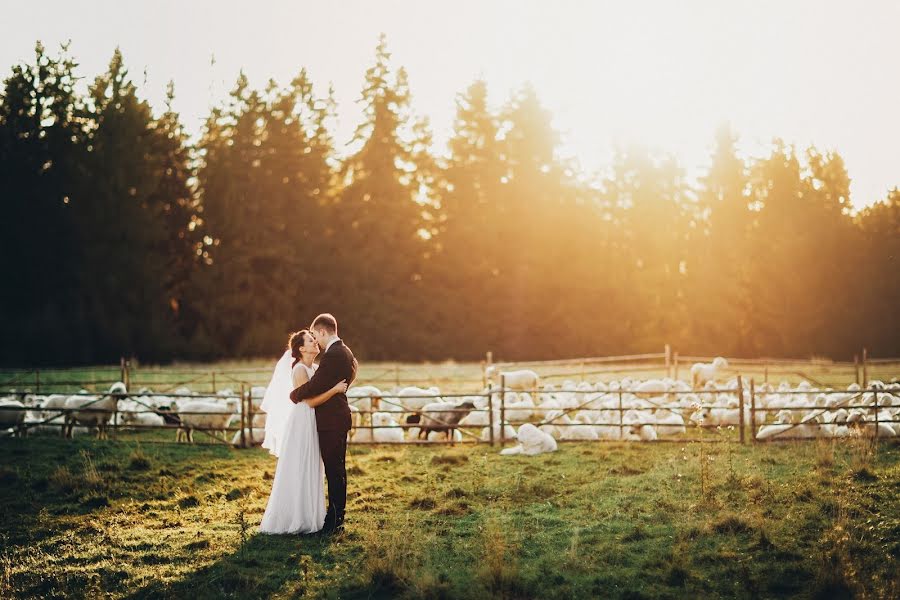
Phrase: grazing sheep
(704,372)
(532,441)
(216,418)
(10,418)
(435,436)
(437,417)
(97,410)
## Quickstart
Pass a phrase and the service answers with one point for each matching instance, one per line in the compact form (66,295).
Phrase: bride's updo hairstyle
(295,342)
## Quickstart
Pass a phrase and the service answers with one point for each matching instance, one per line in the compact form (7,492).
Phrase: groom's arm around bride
(337,363)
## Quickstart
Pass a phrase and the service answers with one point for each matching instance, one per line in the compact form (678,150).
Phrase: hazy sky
(662,72)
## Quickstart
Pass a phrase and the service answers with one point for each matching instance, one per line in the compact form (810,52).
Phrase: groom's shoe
(331,530)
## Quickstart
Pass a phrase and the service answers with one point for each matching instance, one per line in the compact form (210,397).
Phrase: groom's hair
(325,321)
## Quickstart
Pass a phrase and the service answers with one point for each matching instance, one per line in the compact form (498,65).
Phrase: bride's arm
(339,388)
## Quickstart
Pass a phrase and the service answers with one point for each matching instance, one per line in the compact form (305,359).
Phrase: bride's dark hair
(296,340)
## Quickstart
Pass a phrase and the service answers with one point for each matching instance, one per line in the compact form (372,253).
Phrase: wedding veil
(277,404)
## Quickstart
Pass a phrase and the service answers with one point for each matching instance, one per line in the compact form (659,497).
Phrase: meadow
(130,519)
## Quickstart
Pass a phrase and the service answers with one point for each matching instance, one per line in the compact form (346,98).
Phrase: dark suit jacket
(336,364)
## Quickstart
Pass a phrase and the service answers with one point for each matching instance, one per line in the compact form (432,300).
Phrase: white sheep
(704,372)
(531,441)
(523,379)
(215,416)
(644,432)
(10,417)
(97,410)
(366,398)
(387,429)
(252,436)
(509,433)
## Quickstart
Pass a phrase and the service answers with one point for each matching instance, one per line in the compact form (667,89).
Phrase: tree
(41,136)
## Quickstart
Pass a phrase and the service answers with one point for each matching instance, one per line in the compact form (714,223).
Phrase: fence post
(483,374)
(865,369)
(502,409)
(752,411)
(490,405)
(875,391)
(621,422)
(122,371)
(668,360)
(740,384)
(213,374)
(250,412)
(243,419)
(37,382)
(856,367)
(675,367)
(766,374)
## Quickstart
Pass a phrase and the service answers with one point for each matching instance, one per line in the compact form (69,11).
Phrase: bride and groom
(307,422)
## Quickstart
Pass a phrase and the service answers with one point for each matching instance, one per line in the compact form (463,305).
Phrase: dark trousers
(333,446)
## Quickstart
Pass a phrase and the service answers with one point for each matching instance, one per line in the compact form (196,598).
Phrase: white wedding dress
(297,501)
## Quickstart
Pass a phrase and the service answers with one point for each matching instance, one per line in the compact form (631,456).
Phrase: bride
(297,501)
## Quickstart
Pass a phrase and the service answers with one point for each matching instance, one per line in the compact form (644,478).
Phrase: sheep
(11,418)
(578,431)
(523,379)
(411,399)
(436,417)
(435,436)
(508,432)
(252,436)
(144,419)
(97,410)
(387,429)
(366,398)
(217,417)
(644,432)
(651,388)
(669,423)
(704,372)
(532,441)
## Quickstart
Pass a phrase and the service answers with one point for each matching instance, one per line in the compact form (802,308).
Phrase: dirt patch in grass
(188,502)
(625,470)
(423,503)
(449,459)
(731,523)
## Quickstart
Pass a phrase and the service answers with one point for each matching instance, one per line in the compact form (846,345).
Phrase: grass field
(123,519)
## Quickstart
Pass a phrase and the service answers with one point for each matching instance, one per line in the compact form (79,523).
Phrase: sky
(661,73)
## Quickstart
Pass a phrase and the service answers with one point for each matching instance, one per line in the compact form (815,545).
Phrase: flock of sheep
(535,415)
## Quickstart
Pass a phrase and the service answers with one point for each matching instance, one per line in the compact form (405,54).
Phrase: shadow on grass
(264,565)
(47,474)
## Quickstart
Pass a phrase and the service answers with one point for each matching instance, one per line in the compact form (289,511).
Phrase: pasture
(141,517)
(123,519)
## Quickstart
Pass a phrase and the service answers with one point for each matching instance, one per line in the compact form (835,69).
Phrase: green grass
(82,518)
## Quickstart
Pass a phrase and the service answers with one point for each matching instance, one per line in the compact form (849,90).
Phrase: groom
(333,417)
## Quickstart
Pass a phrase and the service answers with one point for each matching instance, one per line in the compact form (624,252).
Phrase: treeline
(122,237)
